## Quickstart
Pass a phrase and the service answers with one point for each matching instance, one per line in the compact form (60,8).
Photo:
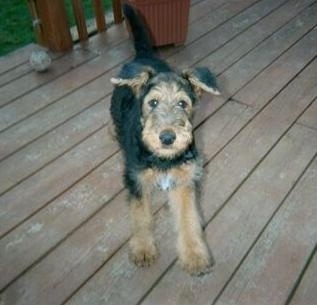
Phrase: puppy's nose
(167,137)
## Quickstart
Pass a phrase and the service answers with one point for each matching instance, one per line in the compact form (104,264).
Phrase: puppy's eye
(182,104)
(153,103)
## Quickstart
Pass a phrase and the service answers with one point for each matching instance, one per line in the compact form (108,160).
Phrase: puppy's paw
(196,262)
(143,253)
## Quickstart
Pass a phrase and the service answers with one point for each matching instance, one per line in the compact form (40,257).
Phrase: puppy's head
(167,105)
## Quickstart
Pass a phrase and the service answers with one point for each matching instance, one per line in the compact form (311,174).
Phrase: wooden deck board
(268,51)
(16,58)
(310,116)
(280,73)
(238,21)
(281,251)
(16,111)
(215,18)
(202,8)
(69,82)
(306,292)
(63,219)
(51,117)
(23,68)
(249,39)
(47,148)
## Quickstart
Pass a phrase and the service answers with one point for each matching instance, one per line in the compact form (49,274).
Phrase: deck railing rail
(51,22)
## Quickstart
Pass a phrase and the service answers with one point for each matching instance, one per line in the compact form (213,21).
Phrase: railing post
(52,19)
(51,23)
(117,13)
(36,22)
(80,19)
(100,15)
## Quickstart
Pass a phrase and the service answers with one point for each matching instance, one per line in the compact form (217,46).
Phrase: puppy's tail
(142,43)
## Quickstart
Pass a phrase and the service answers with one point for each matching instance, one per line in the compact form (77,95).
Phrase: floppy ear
(134,76)
(202,80)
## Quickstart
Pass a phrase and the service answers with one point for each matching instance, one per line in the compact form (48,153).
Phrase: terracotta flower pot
(167,20)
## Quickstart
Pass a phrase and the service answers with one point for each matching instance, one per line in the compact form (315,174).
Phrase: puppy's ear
(202,80)
(134,76)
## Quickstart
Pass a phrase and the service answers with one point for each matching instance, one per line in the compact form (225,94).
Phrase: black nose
(167,137)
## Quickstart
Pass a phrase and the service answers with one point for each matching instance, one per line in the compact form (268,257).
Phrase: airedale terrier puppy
(152,110)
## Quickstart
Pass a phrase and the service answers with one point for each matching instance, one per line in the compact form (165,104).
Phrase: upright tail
(142,43)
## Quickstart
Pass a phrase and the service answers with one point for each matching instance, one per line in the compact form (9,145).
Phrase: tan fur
(185,174)
(192,250)
(168,93)
(143,251)
(167,116)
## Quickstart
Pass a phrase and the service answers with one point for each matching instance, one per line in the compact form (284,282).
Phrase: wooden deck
(64,222)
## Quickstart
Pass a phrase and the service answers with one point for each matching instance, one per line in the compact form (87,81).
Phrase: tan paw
(197,263)
(143,254)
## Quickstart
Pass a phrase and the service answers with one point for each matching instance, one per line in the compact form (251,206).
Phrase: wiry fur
(152,110)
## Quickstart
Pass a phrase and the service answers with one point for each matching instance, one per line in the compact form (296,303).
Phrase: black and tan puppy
(152,109)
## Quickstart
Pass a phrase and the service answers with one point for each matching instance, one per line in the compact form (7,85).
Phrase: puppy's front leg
(192,249)
(143,251)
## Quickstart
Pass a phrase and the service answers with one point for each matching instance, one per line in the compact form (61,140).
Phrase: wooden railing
(52,26)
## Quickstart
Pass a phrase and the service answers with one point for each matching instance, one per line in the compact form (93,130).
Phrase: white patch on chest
(165,182)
